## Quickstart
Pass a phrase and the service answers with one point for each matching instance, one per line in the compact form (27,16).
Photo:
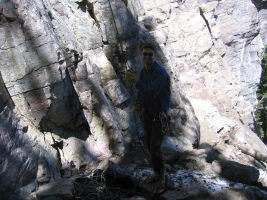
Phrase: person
(153,98)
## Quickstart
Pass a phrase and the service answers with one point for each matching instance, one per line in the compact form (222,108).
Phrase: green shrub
(261,114)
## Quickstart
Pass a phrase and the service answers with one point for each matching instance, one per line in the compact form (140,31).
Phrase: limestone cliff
(63,98)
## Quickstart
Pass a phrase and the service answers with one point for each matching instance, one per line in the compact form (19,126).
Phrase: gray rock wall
(61,64)
(25,155)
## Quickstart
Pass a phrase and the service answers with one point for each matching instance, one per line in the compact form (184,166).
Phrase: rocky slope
(63,98)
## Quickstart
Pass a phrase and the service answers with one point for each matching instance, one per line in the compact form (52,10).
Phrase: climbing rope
(96,188)
(132,90)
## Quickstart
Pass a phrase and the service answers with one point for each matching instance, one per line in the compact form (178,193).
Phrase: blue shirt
(153,86)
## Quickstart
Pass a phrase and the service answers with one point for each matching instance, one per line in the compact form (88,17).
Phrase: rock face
(261,6)
(63,98)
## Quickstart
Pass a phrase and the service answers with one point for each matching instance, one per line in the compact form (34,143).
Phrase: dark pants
(154,137)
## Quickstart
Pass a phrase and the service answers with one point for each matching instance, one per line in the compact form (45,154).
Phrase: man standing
(154,93)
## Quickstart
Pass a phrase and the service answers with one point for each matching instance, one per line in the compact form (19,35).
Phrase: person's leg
(158,161)
(154,136)
(147,124)
(156,139)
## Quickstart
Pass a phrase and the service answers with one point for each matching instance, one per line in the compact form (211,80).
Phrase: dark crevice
(260,4)
(90,8)
(125,2)
(87,7)
(105,42)
(8,101)
(207,23)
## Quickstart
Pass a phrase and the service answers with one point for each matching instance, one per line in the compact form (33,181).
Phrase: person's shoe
(162,188)
(152,179)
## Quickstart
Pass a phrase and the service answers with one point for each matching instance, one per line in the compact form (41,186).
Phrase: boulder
(63,99)
(239,173)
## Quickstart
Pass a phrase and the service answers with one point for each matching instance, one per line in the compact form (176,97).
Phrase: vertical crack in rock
(61,62)
(207,23)
(90,9)
(5,97)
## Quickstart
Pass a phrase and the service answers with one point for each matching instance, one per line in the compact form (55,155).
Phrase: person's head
(148,54)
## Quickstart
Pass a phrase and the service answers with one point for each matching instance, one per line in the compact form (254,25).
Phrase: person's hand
(137,108)
(131,77)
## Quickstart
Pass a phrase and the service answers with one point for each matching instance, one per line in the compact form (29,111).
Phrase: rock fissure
(61,63)
(207,23)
